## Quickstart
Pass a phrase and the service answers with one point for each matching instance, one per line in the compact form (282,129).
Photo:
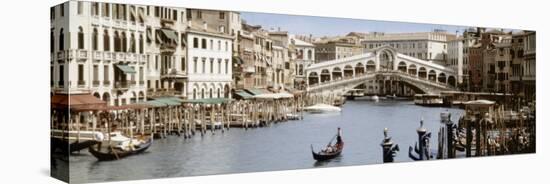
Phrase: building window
(52,42)
(96,75)
(106,74)
(204,43)
(194,93)
(62,10)
(226,47)
(219,66)
(106,41)
(106,10)
(219,45)
(79,7)
(52,13)
(132,43)
(94,39)
(61,40)
(80,38)
(199,14)
(175,15)
(95,9)
(80,74)
(222,15)
(123,42)
(61,75)
(203,65)
(195,64)
(202,93)
(211,65)
(226,66)
(140,74)
(182,63)
(141,44)
(211,44)
(195,42)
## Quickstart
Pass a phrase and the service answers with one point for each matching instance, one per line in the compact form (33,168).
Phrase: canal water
(280,146)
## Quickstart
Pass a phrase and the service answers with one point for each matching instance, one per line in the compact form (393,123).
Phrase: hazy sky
(324,26)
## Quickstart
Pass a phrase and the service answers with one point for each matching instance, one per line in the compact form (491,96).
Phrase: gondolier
(330,151)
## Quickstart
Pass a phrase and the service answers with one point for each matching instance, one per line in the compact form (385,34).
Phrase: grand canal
(280,146)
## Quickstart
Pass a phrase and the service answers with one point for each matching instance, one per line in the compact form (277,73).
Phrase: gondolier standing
(339,136)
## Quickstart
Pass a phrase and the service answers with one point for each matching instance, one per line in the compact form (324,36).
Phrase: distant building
(430,46)
(331,50)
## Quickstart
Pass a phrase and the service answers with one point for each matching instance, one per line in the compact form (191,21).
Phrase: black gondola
(116,154)
(324,155)
(331,151)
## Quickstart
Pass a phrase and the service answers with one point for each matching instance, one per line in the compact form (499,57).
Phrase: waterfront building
(429,46)
(455,59)
(305,56)
(210,66)
(281,39)
(99,48)
(503,67)
(529,65)
(244,69)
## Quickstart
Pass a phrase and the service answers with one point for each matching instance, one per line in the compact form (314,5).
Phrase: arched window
(219,93)
(80,38)
(61,40)
(106,41)
(52,41)
(117,42)
(132,43)
(140,43)
(94,39)
(210,92)
(309,53)
(194,93)
(202,93)
(124,42)
(203,44)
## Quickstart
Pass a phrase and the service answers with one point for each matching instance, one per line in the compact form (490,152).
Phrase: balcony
(168,47)
(163,93)
(95,83)
(82,54)
(81,83)
(121,84)
(106,83)
(249,69)
(133,83)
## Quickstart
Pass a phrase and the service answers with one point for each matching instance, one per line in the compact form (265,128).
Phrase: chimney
(204,25)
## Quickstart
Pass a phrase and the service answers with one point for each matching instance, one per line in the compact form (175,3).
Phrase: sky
(327,26)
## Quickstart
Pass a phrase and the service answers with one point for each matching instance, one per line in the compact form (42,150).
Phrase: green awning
(237,60)
(164,101)
(244,95)
(209,101)
(170,34)
(256,91)
(126,69)
(171,101)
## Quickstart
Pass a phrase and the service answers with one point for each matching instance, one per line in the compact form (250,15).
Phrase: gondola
(116,153)
(324,155)
(331,151)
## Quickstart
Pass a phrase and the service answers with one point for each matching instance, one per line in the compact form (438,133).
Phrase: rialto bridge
(382,71)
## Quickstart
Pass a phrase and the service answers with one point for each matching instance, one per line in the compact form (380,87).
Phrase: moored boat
(121,149)
(322,108)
